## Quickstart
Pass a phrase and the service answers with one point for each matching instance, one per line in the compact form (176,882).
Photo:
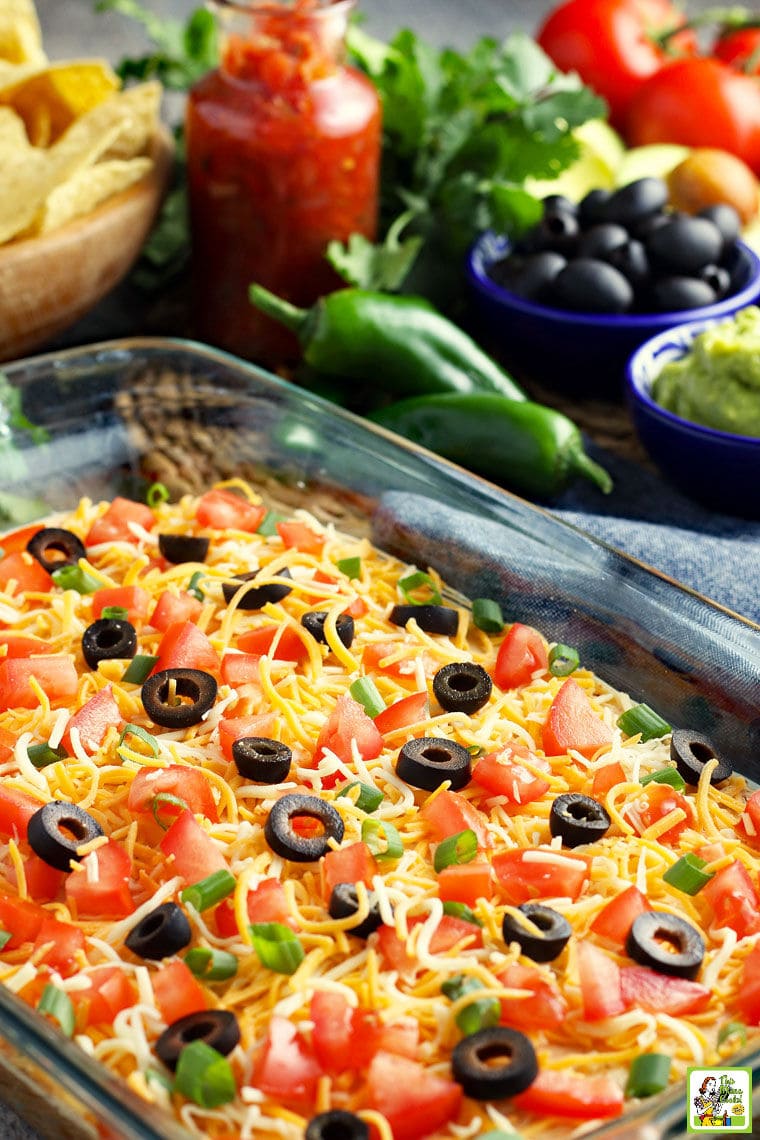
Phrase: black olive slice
(314,622)
(462,686)
(161,697)
(183,547)
(284,840)
(546,946)
(261,759)
(337,1124)
(433,619)
(429,760)
(257,596)
(690,751)
(474,1063)
(54,547)
(578,819)
(215,1027)
(162,932)
(344,902)
(666,943)
(108,638)
(57,830)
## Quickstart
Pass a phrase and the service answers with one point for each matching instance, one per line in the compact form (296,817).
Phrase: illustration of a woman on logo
(708,1101)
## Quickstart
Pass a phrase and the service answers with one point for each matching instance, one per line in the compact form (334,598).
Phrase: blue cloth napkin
(717,555)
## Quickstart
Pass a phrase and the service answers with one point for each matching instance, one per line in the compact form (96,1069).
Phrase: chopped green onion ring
(75,578)
(487,615)
(277,946)
(649,1074)
(383,839)
(114,613)
(139,668)
(5,937)
(642,719)
(351,567)
(268,525)
(193,588)
(368,799)
(686,874)
(141,734)
(209,891)
(42,754)
(210,964)
(563,660)
(459,848)
(57,1004)
(731,1029)
(157,493)
(166,800)
(364,690)
(204,1076)
(670,776)
(414,582)
(461,910)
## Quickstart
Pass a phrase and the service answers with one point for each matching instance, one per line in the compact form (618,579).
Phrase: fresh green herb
(166,808)
(75,578)
(563,660)
(648,1074)
(383,840)
(351,567)
(209,891)
(487,615)
(56,1003)
(42,754)
(210,964)
(669,776)
(204,1076)
(412,583)
(193,586)
(686,874)
(364,690)
(368,799)
(461,910)
(140,733)
(642,719)
(183,51)
(277,947)
(139,668)
(456,849)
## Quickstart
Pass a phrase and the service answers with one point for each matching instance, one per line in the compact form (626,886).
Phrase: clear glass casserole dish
(119,413)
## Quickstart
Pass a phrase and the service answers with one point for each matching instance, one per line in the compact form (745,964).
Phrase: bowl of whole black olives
(569,300)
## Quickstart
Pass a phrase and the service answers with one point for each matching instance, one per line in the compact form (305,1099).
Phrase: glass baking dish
(122,413)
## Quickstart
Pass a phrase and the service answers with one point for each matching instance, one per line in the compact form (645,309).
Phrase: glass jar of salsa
(283,151)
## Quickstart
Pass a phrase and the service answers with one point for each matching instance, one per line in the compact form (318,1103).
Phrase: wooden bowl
(48,282)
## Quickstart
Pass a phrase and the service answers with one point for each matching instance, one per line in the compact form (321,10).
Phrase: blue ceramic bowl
(581,353)
(717,468)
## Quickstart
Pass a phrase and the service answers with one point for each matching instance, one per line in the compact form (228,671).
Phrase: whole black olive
(427,761)
(285,841)
(178,548)
(314,622)
(108,639)
(726,219)
(336,1124)
(494,1063)
(632,261)
(558,229)
(162,692)
(216,1027)
(672,294)
(433,619)
(529,276)
(462,686)
(578,819)
(554,934)
(666,943)
(602,240)
(592,207)
(690,751)
(718,278)
(57,830)
(685,244)
(260,759)
(637,200)
(344,902)
(588,285)
(54,547)
(164,931)
(257,596)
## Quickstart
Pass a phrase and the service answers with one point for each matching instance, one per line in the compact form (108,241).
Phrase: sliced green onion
(114,613)
(364,690)
(75,578)
(648,1074)
(487,615)
(192,586)
(382,839)
(670,776)
(277,946)
(475,750)
(153,1076)
(497,1134)
(416,581)
(642,719)
(351,567)
(141,733)
(157,493)
(162,801)
(5,937)
(461,910)
(458,985)
(57,1004)
(42,754)
(563,660)
(139,668)
(369,798)
(459,848)
(687,875)
(209,891)
(204,1076)
(268,525)
(211,965)
(733,1029)
(481,1013)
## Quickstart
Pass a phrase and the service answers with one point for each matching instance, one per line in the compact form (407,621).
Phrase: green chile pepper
(526,446)
(401,343)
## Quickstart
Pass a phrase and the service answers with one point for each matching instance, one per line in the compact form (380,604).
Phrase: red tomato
(111,992)
(451,931)
(605,778)
(544,1007)
(184,646)
(346,724)
(333,1036)
(403,713)
(265,903)
(503,774)
(7,743)
(16,809)
(658,993)
(109,895)
(43,882)
(740,49)
(354,863)
(290,647)
(22,918)
(57,676)
(572,723)
(115,524)
(615,919)
(374,654)
(172,608)
(600,983)
(16,645)
(133,599)
(522,654)
(93,721)
(298,536)
(26,572)
(196,856)
(466,883)
(285,1068)
(750,821)
(734,900)
(557,1092)
(448,813)
(414,1101)
(225,510)
(240,669)
(528,874)
(177,992)
(188,784)
(67,943)
(699,103)
(749,992)
(232,728)
(655,802)
(19,539)
(393,950)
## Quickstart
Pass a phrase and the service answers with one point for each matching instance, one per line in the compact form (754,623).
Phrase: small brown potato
(709,176)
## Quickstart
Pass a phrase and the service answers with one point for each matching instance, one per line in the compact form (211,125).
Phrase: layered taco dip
(295,840)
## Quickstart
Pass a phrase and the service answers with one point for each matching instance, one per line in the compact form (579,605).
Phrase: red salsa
(283,146)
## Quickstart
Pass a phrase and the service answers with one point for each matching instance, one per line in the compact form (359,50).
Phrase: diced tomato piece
(133,599)
(557,1092)
(615,919)
(240,669)
(196,856)
(111,992)
(67,940)
(403,713)
(653,804)
(26,572)
(223,509)
(16,809)
(660,993)
(749,991)
(286,1068)
(184,646)
(232,728)
(186,783)
(606,777)
(56,676)
(572,723)
(392,949)
(749,824)
(534,873)
(22,918)
(504,773)
(543,1007)
(93,721)
(522,655)
(448,813)
(451,931)
(267,902)
(107,895)
(172,608)
(298,536)
(16,645)
(466,882)
(734,900)
(600,983)
(377,652)
(43,882)
(259,641)
(414,1101)
(177,992)
(19,539)
(7,743)
(353,863)
(347,723)
(333,1035)
(115,524)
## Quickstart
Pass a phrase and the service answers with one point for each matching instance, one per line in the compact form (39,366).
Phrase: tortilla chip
(86,190)
(140,107)
(20,36)
(57,95)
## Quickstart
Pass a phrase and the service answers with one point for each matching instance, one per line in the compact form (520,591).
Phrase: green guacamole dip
(717,383)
